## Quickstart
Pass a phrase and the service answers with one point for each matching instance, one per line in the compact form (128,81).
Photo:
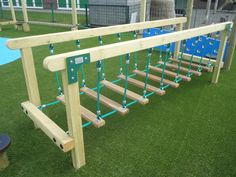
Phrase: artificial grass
(190,131)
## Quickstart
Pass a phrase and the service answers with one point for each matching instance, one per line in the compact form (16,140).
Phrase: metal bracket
(73,64)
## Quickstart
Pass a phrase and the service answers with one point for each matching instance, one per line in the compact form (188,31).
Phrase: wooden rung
(140,84)
(157,79)
(86,114)
(50,128)
(174,66)
(194,65)
(7,23)
(170,73)
(105,101)
(131,95)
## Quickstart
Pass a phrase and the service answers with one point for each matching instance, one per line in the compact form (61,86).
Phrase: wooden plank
(170,73)
(231,47)
(157,79)
(140,84)
(74,121)
(7,23)
(105,101)
(88,33)
(52,130)
(183,69)
(194,65)
(179,27)
(219,58)
(86,114)
(120,90)
(50,24)
(57,62)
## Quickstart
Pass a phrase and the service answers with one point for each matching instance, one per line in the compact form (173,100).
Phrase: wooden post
(223,41)
(216,6)
(208,8)
(74,14)
(231,48)
(30,76)
(189,12)
(4,162)
(143,7)
(179,27)
(13,13)
(26,27)
(74,120)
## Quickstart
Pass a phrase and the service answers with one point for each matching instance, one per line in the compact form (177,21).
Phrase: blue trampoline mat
(7,55)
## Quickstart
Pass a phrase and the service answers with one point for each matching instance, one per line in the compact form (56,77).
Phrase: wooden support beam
(86,114)
(197,59)
(183,69)
(105,101)
(120,90)
(52,130)
(157,79)
(13,14)
(219,58)
(57,62)
(179,27)
(170,73)
(143,7)
(50,24)
(140,84)
(54,38)
(26,27)
(194,65)
(74,13)
(231,48)
(189,12)
(74,120)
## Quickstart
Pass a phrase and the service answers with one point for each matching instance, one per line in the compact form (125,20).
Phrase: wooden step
(170,73)
(194,65)
(131,95)
(86,114)
(140,84)
(175,66)
(157,79)
(105,101)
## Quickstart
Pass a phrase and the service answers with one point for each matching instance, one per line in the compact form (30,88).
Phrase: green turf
(188,132)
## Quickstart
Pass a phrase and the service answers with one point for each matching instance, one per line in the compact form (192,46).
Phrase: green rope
(164,67)
(126,80)
(118,35)
(102,62)
(194,44)
(212,44)
(82,66)
(59,88)
(204,48)
(98,64)
(147,72)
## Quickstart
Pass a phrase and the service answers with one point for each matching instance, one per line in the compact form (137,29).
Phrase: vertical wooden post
(231,48)
(223,41)
(189,12)
(216,6)
(26,27)
(74,14)
(179,27)
(143,6)
(30,76)
(208,9)
(13,13)
(74,121)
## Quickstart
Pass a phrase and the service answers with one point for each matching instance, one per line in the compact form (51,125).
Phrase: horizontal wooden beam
(7,23)
(120,90)
(57,62)
(50,24)
(50,128)
(86,114)
(105,101)
(87,33)
(141,85)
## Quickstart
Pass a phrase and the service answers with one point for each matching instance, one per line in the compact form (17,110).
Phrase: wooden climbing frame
(73,140)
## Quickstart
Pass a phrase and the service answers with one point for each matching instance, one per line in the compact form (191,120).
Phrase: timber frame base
(72,140)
